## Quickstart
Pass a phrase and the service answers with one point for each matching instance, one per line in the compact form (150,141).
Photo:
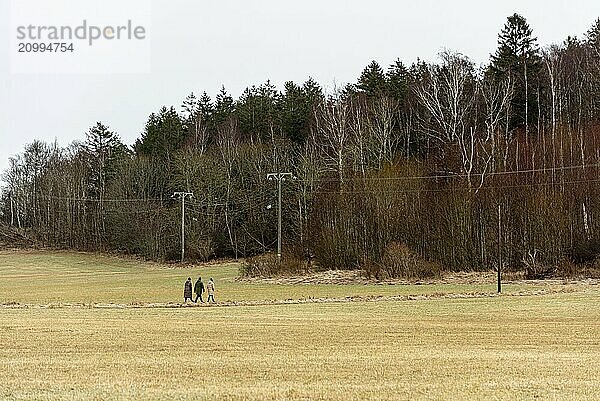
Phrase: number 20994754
(26,47)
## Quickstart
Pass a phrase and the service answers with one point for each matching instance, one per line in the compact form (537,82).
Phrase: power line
(239,199)
(98,200)
(537,184)
(244,199)
(131,211)
(442,176)
(266,196)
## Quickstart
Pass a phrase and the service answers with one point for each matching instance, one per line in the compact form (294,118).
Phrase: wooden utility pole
(279,177)
(182,196)
(12,210)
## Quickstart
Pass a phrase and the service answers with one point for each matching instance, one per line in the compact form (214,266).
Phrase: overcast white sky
(201,45)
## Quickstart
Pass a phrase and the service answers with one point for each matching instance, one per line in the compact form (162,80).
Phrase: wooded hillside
(448,163)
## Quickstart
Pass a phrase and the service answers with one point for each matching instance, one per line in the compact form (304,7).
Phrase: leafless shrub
(267,265)
(335,251)
(534,269)
(593,270)
(399,261)
(202,248)
(567,269)
(513,275)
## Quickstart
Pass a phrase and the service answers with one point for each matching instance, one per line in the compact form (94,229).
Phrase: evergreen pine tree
(296,112)
(397,81)
(593,34)
(223,108)
(205,105)
(163,135)
(190,106)
(372,80)
(517,59)
(104,150)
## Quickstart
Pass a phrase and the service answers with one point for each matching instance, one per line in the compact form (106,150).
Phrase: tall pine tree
(397,81)
(517,59)
(372,80)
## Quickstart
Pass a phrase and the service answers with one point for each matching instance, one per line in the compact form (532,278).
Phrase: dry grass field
(35,277)
(488,348)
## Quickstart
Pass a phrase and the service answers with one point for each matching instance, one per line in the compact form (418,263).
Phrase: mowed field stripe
(229,304)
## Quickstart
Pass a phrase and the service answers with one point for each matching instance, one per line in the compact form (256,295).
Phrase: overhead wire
(252,198)
(460,175)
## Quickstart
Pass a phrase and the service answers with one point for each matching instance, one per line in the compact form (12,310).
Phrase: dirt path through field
(420,297)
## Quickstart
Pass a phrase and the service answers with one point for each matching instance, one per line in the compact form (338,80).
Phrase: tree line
(448,163)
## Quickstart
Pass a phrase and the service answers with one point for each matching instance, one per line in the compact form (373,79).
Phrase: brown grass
(522,348)
(38,277)
(502,348)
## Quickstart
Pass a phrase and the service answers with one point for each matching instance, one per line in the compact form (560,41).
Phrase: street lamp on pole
(182,196)
(280,177)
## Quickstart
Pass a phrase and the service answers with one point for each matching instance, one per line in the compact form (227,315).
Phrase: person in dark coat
(199,289)
(187,290)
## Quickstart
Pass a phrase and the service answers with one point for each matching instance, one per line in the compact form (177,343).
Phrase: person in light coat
(210,289)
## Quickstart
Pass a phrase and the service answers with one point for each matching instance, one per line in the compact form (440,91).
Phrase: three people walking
(199,289)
